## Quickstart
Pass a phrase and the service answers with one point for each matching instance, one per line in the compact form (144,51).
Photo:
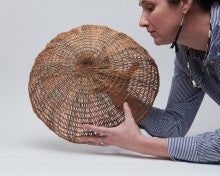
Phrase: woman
(193,28)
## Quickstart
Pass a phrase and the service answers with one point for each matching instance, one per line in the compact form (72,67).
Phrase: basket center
(87,62)
(86,66)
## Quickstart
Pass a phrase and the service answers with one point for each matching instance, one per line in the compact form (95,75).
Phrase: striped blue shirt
(184,101)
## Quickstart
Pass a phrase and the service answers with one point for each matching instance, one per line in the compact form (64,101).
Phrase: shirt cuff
(183,149)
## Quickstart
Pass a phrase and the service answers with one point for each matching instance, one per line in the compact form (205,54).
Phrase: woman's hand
(126,135)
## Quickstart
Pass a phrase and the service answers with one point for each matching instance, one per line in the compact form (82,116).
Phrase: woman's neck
(195,29)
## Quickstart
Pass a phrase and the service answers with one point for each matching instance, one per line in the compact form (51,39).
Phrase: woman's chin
(159,42)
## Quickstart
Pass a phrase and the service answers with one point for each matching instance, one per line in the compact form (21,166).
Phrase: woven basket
(84,76)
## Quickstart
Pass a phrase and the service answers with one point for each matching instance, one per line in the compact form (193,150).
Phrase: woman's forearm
(152,146)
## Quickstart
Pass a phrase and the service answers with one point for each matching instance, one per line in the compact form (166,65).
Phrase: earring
(174,44)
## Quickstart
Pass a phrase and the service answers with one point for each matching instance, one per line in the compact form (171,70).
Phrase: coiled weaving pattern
(83,76)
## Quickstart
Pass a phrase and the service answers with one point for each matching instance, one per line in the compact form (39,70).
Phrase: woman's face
(161,20)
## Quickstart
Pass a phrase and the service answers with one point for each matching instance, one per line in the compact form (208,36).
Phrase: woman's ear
(186,4)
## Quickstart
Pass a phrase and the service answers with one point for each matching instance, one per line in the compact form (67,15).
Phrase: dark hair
(203,4)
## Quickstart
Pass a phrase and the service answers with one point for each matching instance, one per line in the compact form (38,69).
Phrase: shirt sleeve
(183,104)
(204,148)
(174,121)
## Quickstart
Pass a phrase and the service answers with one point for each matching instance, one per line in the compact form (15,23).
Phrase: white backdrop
(27,146)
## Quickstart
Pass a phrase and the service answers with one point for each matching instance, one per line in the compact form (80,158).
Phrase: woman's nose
(143,20)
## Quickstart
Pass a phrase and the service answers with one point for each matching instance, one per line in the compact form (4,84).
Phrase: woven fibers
(84,76)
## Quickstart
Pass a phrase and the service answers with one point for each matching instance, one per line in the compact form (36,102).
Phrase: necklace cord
(189,55)
(174,44)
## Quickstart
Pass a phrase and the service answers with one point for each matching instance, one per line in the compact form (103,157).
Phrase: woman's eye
(148,7)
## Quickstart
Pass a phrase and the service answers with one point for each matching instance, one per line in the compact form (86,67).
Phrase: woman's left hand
(126,135)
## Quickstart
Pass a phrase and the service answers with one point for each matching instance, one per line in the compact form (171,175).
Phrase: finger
(94,140)
(91,139)
(127,110)
(100,130)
